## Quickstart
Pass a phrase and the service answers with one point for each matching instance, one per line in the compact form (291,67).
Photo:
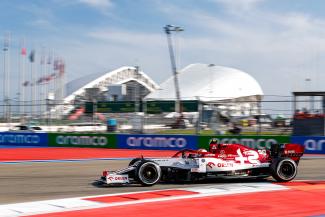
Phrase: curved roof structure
(122,75)
(118,76)
(208,82)
(75,84)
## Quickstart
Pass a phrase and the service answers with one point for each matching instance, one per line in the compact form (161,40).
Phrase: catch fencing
(274,115)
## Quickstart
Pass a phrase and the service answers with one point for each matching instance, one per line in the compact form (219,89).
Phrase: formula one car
(222,160)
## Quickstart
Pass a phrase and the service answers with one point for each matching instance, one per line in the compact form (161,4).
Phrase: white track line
(80,203)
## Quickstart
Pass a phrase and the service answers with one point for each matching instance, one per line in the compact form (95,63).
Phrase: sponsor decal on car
(225,164)
(211,164)
(222,154)
(114,178)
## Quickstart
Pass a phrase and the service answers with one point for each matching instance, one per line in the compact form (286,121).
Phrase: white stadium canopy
(122,75)
(210,83)
(117,76)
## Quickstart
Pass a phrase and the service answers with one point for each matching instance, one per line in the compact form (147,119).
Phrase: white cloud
(128,37)
(113,48)
(239,5)
(278,49)
(43,24)
(98,4)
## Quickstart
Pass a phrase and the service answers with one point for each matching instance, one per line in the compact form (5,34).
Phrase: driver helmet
(213,145)
(202,150)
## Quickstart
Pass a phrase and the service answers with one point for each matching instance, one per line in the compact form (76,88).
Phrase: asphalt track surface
(41,181)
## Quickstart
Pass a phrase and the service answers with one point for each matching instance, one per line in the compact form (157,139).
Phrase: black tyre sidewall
(141,167)
(276,166)
(134,160)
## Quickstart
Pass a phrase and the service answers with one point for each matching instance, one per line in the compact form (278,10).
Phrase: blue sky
(279,42)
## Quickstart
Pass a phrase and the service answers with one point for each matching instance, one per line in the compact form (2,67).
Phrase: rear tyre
(283,169)
(148,173)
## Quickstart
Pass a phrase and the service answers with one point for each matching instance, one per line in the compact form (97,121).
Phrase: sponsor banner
(23,139)
(312,144)
(157,142)
(259,142)
(82,140)
(115,107)
(156,107)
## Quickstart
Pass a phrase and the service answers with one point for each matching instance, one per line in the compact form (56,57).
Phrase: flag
(23,51)
(6,42)
(48,78)
(49,59)
(42,59)
(32,56)
(40,80)
(61,68)
(26,83)
(56,64)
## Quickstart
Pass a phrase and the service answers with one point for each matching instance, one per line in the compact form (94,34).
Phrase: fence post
(198,122)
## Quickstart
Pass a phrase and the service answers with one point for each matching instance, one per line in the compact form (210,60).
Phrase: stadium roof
(122,75)
(75,84)
(102,80)
(209,82)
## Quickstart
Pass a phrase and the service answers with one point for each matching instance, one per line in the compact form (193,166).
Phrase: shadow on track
(180,184)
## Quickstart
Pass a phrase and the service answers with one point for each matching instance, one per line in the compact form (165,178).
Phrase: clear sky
(280,43)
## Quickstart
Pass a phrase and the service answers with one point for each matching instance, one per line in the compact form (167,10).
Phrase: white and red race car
(222,160)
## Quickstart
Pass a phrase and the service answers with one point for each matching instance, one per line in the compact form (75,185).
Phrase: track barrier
(312,144)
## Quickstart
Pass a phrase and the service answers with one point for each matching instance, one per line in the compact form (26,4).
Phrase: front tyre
(148,173)
(283,169)
(133,161)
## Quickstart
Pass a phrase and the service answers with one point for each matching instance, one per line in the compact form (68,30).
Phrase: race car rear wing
(293,151)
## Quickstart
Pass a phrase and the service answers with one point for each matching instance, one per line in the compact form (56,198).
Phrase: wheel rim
(149,173)
(286,170)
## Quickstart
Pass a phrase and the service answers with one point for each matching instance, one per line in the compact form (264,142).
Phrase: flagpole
(31,89)
(22,87)
(33,83)
(44,85)
(6,65)
(36,89)
(40,81)
(5,49)
(62,85)
(46,89)
(61,74)
(56,93)
(55,85)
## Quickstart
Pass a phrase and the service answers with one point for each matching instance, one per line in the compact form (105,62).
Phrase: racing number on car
(251,157)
